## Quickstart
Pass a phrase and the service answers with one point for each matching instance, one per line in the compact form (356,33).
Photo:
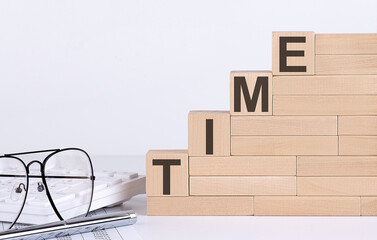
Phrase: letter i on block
(251,93)
(209,133)
(167,173)
(293,53)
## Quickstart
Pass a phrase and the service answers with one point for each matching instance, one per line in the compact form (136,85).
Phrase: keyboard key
(104,174)
(112,181)
(126,175)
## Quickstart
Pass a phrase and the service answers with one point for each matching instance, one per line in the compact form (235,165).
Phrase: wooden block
(293,53)
(306,206)
(209,133)
(283,125)
(167,173)
(325,85)
(200,206)
(346,43)
(336,166)
(346,64)
(242,185)
(243,166)
(284,145)
(358,125)
(336,186)
(358,145)
(325,105)
(368,206)
(251,93)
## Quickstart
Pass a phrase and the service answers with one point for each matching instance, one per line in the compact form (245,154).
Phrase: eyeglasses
(60,168)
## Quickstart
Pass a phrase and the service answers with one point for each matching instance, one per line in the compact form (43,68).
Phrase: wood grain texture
(178,173)
(325,85)
(357,125)
(336,166)
(283,125)
(284,145)
(306,206)
(197,133)
(306,60)
(368,206)
(200,206)
(242,185)
(325,105)
(358,145)
(251,79)
(243,166)
(336,186)
(346,64)
(346,43)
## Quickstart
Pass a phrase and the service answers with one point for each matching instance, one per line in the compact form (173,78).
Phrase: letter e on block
(251,93)
(293,53)
(209,133)
(167,173)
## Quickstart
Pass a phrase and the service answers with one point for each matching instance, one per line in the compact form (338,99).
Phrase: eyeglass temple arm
(66,177)
(24,153)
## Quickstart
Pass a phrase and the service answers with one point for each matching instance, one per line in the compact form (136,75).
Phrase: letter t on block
(167,173)
(209,133)
(251,93)
(293,53)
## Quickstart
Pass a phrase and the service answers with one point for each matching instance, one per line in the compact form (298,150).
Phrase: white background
(119,77)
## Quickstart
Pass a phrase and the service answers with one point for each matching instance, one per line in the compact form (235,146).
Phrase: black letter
(209,136)
(261,85)
(284,54)
(166,163)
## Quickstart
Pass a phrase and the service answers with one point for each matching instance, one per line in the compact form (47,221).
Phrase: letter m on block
(251,93)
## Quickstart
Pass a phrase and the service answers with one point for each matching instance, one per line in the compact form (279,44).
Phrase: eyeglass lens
(13,186)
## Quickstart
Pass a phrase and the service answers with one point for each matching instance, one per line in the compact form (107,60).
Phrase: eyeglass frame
(42,165)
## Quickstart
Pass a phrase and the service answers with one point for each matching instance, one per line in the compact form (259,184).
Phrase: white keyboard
(110,189)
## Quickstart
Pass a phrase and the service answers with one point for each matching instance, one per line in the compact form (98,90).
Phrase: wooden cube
(243,166)
(346,64)
(325,85)
(209,133)
(293,53)
(336,186)
(283,125)
(200,206)
(242,185)
(284,145)
(358,125)
(322,166)
(306,206)
(325,105)
(368,206)
(365,43)
(167,173)
(251,93)
(358,145)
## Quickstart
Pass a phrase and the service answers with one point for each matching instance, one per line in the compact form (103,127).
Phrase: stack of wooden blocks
(298,140)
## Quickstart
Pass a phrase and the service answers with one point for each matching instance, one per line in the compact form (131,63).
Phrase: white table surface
(241,227)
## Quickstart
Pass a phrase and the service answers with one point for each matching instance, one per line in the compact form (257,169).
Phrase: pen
(71,226)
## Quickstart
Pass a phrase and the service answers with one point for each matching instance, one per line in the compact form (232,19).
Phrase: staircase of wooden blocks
(298,140)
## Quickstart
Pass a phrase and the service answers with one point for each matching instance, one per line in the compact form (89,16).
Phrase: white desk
(245,227)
